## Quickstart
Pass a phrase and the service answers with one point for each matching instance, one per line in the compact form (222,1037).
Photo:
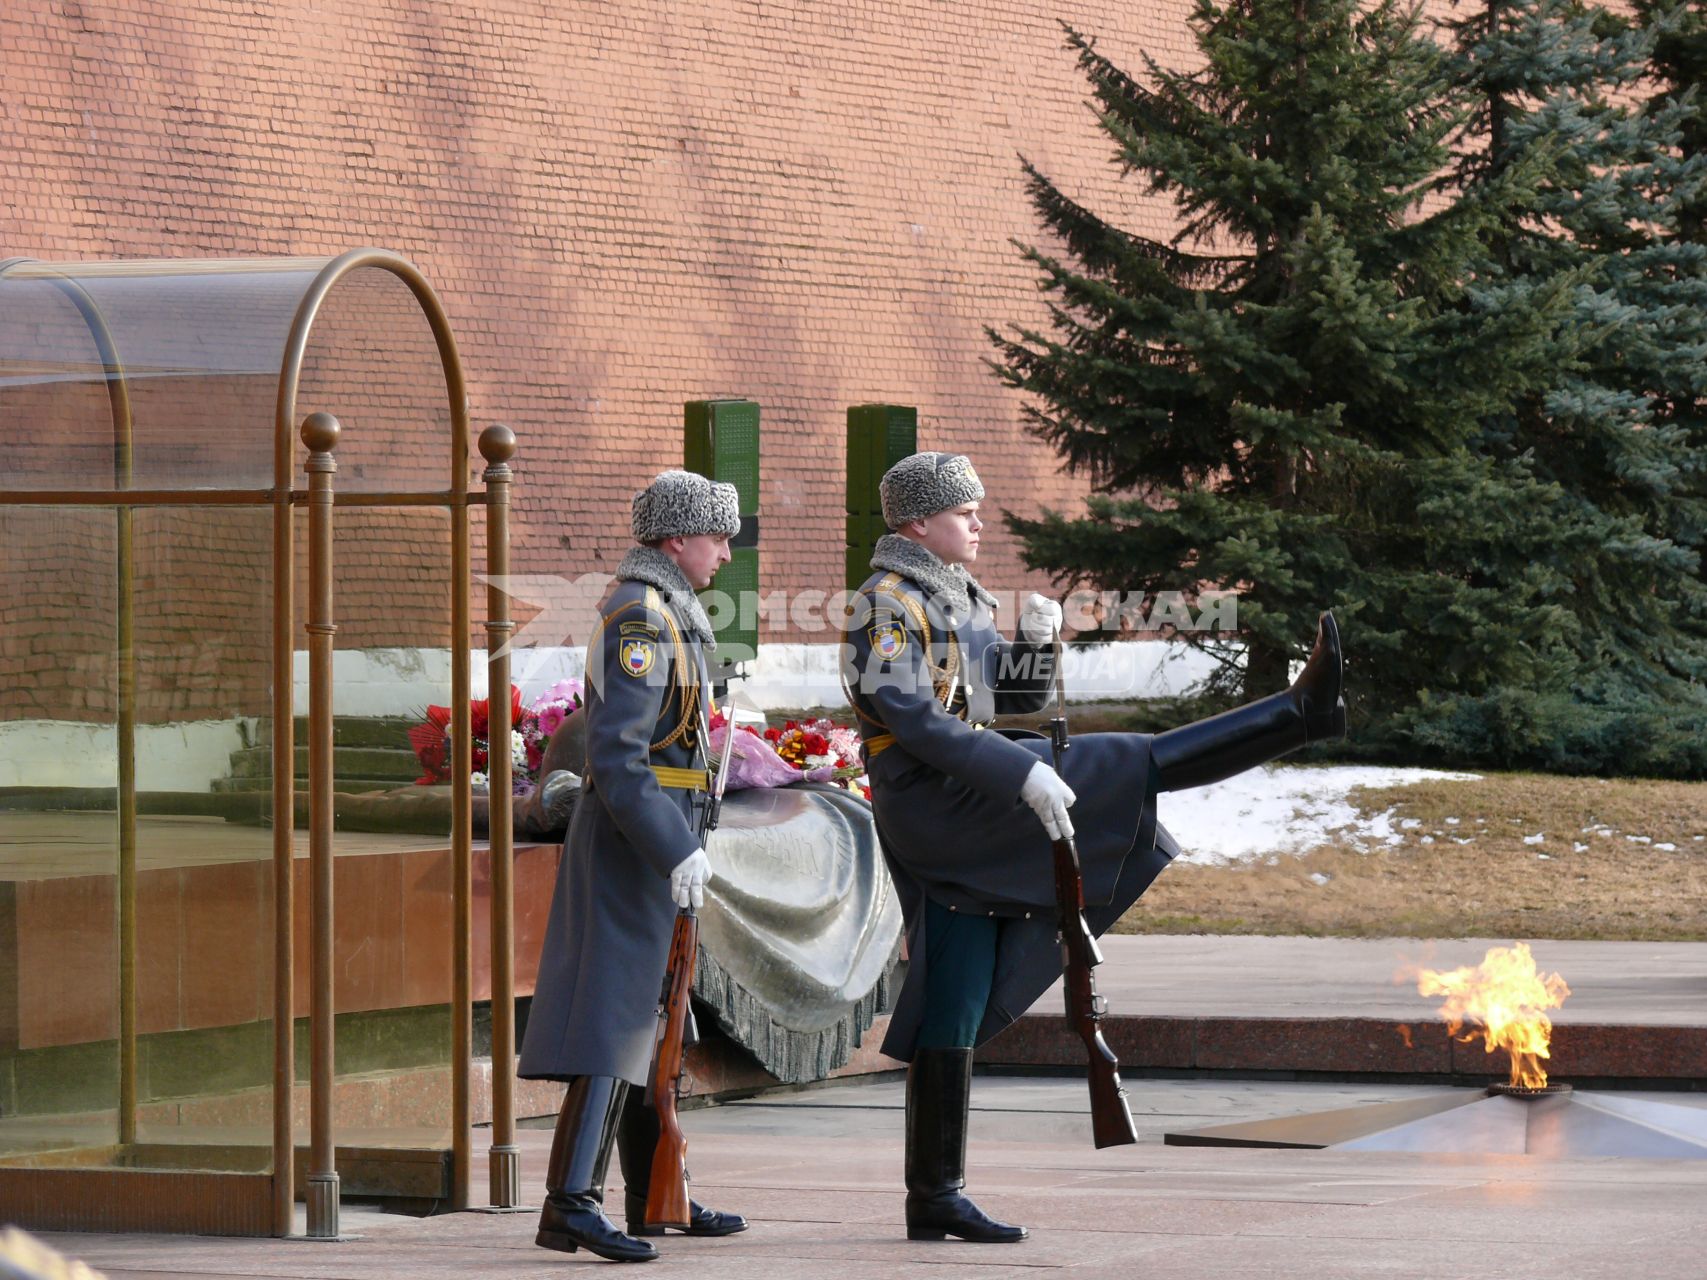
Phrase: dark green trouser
(960,969)
(960,966)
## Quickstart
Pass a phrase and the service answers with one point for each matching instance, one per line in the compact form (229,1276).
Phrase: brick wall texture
(624,207)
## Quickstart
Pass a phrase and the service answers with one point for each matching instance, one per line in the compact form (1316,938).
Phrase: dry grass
(1476,877)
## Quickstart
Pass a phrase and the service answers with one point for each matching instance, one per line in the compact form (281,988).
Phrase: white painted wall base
(403,682)
(186,756)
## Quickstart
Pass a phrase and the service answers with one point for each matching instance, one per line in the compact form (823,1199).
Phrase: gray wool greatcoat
(607,939)
(924,680)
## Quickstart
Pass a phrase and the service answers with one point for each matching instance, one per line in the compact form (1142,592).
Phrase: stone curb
(1349,1046)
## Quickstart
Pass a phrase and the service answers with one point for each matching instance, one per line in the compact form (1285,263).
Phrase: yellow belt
(877,744)
(685,779)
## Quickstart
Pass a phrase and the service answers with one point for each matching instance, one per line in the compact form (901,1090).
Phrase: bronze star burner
(1502,1001)
(1557,1122)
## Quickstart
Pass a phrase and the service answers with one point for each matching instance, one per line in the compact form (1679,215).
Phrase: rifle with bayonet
(1111,1118)
(667,1191)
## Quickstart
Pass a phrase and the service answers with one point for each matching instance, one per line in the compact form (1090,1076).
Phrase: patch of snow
(1578,846)
(1537,838)
(1452,822)
(1545,857)
(1286,809)
(1668,847)
(1640,839)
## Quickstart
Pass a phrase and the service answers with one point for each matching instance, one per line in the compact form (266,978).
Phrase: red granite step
(1349,1046)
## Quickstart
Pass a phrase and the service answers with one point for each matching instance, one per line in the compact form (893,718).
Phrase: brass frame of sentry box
(131,1186)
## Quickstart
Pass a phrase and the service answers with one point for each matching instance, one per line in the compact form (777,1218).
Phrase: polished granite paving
(817,1172)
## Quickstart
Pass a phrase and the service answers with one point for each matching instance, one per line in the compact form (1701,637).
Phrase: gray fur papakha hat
(925,483)
(680,504)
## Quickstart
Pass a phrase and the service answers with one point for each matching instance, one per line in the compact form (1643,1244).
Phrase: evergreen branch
(1106,250)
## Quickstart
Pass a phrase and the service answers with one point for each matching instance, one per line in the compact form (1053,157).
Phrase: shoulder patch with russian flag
(888,639)
(638,655)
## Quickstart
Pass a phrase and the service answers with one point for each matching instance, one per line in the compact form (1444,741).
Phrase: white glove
(1039,619)
(687,881)
(1049,797)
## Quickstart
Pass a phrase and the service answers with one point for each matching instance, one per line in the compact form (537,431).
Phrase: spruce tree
(1678,63)
(1677,68)
(1618,431)
(1336,384)
(1279,399)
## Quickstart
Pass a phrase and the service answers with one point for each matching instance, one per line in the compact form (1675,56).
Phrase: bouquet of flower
(543,719)
(530,729)
(816,751)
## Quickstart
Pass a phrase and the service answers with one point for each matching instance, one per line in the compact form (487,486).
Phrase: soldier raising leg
(961,812)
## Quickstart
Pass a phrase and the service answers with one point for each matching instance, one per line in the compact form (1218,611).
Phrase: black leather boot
(636,1143)
(1312,710)
(939,1094)
(574,1215)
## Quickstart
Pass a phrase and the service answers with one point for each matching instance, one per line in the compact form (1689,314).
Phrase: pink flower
(566,693)
(550,717)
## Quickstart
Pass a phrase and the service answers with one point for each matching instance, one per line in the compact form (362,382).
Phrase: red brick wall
(202,589)
(623,207)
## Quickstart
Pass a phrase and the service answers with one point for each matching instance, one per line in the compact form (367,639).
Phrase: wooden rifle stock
(667,1191)
(1111,1118)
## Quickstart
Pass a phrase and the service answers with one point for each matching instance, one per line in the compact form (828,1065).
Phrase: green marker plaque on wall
(721,442)
(879,436)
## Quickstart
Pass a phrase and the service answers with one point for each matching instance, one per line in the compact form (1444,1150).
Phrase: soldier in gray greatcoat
(632,855)
(927,672)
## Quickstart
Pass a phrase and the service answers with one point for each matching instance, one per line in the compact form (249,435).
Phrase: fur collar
(653,567)
(949,583)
